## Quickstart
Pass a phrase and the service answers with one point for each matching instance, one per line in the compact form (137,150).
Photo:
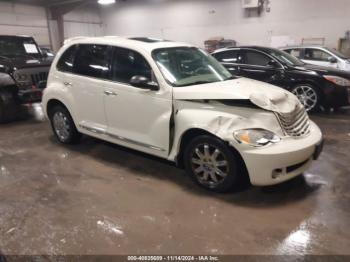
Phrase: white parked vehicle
(175,101)
(319,55)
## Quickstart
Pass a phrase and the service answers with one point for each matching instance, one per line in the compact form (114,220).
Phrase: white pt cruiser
(175,101)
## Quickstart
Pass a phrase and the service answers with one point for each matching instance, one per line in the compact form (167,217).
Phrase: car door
(259,66)
(137,118)
(319,57)
(230,59)
(91,66)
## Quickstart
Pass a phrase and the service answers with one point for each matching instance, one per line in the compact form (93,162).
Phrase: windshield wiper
(231,78)
(196,83)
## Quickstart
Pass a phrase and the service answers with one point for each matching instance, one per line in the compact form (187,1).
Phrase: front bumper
(280,162)
(30,96)
(337,96)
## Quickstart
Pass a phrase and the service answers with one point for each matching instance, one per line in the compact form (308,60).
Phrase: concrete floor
(97,198)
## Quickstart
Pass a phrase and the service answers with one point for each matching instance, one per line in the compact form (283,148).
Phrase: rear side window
(256,58)
(231,56)
(316,55)
(92,61)
(66,61)
(294,52)
(128,63)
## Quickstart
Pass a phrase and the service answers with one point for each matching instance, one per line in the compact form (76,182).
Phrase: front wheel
(8,107)
(211,163)
(63,126)
(308,95)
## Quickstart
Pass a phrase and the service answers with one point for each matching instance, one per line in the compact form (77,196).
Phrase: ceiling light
(106,2)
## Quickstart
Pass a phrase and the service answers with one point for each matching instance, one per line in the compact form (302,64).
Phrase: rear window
(66,62)
(294,52)
(19,46)
(92,61)
(231,56)
(256,58)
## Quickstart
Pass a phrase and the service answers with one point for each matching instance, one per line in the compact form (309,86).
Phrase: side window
(295,52)
(128,63)
(92,60)
(316,55)
(66,61)
(256,58)
(231,56)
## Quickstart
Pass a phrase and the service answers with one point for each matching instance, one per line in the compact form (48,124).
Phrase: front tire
(309,96)
(8,107)
(63,126)
(211,164)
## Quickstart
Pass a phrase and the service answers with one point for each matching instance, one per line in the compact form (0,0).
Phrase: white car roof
(304,46)
(147,44)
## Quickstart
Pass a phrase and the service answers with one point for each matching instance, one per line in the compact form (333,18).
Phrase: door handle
(67,83)
(110,93)
(254,70)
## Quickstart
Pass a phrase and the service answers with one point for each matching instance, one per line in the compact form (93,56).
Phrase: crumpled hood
(261,94)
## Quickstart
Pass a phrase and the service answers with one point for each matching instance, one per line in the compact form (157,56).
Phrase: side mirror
(144,83)
(272,63)
(332,60)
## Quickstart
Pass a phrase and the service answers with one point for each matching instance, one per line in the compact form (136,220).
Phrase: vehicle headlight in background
(340,81)
(21,77)
(256,137)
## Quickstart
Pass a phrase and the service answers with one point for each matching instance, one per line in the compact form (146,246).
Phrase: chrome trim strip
(95,130)
(103,132)
(135,142)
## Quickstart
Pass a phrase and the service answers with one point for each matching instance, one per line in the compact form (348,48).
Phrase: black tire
(73,136)
(314,93)
(225,184)
(8,107)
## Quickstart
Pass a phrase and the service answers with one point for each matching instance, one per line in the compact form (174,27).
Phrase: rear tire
(63,125)
(309,96)
(211,164)
(8,107)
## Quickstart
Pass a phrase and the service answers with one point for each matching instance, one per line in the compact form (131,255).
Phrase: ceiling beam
(69,2)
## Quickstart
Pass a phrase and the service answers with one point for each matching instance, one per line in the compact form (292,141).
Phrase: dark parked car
(23,74)
(315,86)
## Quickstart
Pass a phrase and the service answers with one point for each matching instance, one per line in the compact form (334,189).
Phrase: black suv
(315,86)
(23,74)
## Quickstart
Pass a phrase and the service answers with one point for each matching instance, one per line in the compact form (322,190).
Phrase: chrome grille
(38,77)
(296,123)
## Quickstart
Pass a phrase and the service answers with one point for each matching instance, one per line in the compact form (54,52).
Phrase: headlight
(338,80)
(256,137)
(21,77)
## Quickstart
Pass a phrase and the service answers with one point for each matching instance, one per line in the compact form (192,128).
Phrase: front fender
(6,80)
(218,120)
(57,92)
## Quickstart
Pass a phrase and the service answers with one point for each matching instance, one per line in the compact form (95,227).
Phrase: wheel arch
(52,103)
(308,82)
(314,85)
(189,134)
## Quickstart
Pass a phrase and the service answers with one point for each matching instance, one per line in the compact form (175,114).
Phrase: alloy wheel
(307,96)
(209,165)
(61,126)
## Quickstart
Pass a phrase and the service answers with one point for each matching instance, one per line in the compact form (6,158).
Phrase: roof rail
(112,36)
(74,38)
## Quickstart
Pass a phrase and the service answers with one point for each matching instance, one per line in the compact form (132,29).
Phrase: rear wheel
(308,95)
(211,163)
(8,107)
(63,125)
